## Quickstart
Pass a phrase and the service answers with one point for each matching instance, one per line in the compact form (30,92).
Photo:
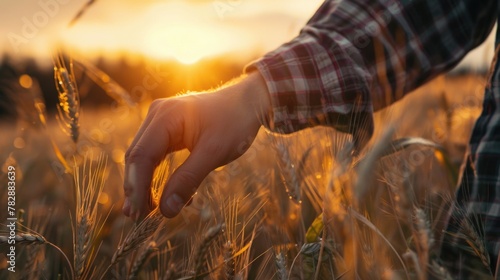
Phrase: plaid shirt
(357,56)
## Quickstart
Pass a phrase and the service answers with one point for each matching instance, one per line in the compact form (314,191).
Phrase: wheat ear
(87,226)
(288,172)
(229,262)
(439,271)
(208,238)
(24,238)
(34,238)
(170,273)
(281,271)
(69,100)
(424,239)
(146,253)
(475,242)
(138,235)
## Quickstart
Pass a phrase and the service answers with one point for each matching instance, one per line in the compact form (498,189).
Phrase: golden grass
(375,215)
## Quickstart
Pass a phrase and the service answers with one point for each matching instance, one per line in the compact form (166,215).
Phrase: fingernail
(126,205)
(175,203)
(132,212)
(136,217)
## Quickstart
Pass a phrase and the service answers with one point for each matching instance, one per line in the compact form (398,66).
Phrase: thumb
(184,182)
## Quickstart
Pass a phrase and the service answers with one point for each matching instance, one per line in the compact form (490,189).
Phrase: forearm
(355,57)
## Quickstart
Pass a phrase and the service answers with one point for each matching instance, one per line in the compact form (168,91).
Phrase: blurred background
(127,53)
(189,44)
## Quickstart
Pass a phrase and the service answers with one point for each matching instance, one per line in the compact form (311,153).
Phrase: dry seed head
(69,102)
(208,239)
(475,242)
(24,238)
(150,249)
(288,172)
(170,273)
(138,235)
(423,228)
(281,272)
(229,262)
(87,226)
(82,246)
(439,271)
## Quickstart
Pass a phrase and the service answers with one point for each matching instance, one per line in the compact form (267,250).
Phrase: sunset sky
(185,30)
(180,29)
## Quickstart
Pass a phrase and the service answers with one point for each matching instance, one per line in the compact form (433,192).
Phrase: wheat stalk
(424,239)
(33,261)
(280,262)
(229,262)
(159,180)
(150,249)
(24,238)
(439,271)
(170,273)
(33,238)
(475,242)
(110,86)
(205,244)
(87,226)
(288,172)
(69,100)
(138,235)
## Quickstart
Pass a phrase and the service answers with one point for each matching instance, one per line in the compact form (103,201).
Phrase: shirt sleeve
(357,56)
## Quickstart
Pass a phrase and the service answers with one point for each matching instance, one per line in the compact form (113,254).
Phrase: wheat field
(301,206)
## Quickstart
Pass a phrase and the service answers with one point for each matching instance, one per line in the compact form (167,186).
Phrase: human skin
(212,126)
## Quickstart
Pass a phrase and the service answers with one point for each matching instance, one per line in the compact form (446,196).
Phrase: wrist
(255,93)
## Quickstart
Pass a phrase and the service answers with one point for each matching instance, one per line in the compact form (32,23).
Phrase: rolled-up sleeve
(357,56)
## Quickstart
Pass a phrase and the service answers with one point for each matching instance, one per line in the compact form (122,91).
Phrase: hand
(211,126)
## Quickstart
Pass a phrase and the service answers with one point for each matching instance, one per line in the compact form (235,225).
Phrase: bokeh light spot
(118,155)
(19,143)
(103,198)
(25,81)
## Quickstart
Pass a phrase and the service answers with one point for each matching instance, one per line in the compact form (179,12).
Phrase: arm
(357,56)
(353,57)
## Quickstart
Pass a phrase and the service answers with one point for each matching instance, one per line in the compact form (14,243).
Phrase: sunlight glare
(187,44)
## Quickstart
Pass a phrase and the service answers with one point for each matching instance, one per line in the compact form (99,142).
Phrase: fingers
(185,181)
(140,162)
(145,124)
(127,188)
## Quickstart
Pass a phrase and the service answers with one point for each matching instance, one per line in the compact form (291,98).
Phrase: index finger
(141,160)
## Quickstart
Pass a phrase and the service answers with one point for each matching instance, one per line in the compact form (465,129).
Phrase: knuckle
(155,104)
(220,153)
(188,179)
(135,154)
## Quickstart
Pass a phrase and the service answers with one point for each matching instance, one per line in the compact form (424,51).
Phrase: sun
(186,44)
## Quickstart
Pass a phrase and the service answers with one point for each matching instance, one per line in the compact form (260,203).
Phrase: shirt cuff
(311,85)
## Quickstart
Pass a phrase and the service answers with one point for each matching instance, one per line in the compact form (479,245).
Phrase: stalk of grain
(209,237)
(170,274)
(24,238)
(69,100)
(138,235)
(103,80)
(281,270)
(439,271)
(87,226)
(146,253)
(475,243)
(424,239)
(33,238)
(229,262)
(288,172)
(32,265)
